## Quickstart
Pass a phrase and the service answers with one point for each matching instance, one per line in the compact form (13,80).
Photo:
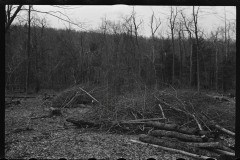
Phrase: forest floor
(48,138)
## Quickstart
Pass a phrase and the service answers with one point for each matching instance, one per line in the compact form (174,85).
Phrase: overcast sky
(92,15)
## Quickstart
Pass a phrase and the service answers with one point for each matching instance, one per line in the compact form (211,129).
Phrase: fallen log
(179,136)
(213,145)
(184,130)
(175,150)
(175,145)
(213,123)
(82,123)
(222,152)
(171,127)
(141,120)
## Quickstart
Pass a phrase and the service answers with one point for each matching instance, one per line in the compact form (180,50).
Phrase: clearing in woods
(27,135)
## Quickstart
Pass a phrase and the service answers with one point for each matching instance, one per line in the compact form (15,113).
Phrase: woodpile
(189,141)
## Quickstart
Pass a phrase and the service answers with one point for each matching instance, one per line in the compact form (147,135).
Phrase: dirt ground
(47,137)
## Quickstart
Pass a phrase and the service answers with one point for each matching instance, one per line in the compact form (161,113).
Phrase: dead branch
(90,95)
(162,111)
(10,20)
(211,122)
(223,129)
(176,109)
(174,150)
(199,125)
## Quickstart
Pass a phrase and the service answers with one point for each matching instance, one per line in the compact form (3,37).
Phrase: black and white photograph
(120,82)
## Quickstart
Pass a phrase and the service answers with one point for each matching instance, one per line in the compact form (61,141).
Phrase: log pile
(189,141)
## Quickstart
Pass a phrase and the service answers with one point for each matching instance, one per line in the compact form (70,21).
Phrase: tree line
(40,57)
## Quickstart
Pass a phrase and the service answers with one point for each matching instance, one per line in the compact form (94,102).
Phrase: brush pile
(189,119)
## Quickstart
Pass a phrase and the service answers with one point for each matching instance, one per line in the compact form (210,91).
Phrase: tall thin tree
(195,20)
(172,21)
(28,49)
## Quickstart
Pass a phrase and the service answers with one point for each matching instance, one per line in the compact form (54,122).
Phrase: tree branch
(12,18)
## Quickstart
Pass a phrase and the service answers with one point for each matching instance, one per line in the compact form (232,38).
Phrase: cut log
(213,123)
(171,127)
(184,130)
(140,121)
(222,152)
(174,150)
(162,126)
(179,136)
(175,145)
(216,145)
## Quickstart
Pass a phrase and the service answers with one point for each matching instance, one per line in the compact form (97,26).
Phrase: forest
(112,92)
(115,55)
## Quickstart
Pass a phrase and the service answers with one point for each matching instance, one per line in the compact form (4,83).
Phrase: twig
(162,111)
(173,107)
(199,125)
(174,150)
(89,95)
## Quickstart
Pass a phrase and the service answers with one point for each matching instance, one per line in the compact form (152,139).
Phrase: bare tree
(136,28)
(11,12)
(9,17)
(195,20)
(180,47)
(153,31)
(172,21)
(188,25)
(28,49)
(216,57)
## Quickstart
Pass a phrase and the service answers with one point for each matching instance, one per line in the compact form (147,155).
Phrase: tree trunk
(198,69)
(195,16)
(191,47)
(180,47)
(173,65)
(28,50)
(216,73)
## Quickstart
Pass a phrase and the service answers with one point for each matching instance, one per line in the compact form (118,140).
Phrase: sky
(210,17)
